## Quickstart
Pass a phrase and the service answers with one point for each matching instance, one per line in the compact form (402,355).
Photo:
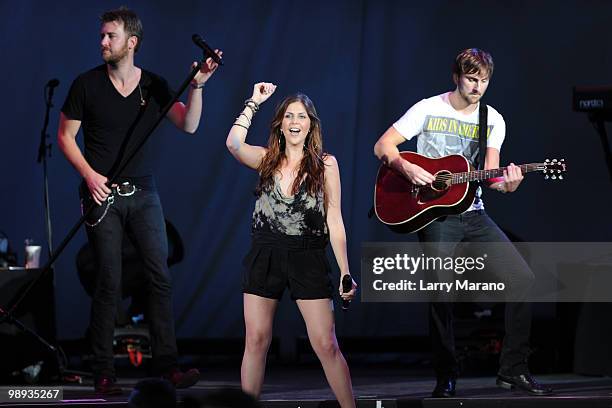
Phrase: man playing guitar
(448,124)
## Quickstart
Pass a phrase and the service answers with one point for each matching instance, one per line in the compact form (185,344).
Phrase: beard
(470,97)
(114,57)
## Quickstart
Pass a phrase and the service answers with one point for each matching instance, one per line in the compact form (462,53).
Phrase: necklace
(142,101)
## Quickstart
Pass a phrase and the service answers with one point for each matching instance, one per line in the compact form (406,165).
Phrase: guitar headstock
(553,169)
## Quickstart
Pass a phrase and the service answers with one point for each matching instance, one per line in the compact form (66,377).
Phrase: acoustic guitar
(407,207)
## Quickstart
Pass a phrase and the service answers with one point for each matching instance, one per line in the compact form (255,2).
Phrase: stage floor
(376,387)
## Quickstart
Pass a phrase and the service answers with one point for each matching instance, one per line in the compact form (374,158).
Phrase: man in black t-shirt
(117,104)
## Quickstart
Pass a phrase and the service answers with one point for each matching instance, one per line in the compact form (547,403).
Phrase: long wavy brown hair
(312,167)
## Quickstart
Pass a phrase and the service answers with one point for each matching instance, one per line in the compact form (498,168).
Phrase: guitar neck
(477,175)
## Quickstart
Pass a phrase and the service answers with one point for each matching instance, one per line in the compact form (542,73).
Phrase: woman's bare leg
(258,319)
(319,317)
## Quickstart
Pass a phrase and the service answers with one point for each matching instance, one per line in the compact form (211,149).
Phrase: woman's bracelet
(241,125)
(251,104)
(245,115)
(254,107)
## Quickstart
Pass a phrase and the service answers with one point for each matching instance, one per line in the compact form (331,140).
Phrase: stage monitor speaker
(592,352)
(19,350)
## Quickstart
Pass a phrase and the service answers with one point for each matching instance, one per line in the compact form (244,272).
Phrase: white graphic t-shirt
(442,131)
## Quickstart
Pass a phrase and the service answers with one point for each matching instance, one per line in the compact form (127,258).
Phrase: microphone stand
(8,315)
(598,121)
(44,150)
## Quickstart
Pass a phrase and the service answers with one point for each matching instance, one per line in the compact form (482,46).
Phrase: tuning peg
(546,177)
(554,177)
(554,160)
(560,177)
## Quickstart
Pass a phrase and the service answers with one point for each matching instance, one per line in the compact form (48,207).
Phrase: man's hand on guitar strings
(416,174)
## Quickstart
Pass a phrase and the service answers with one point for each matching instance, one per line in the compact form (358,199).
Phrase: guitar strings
(446,177)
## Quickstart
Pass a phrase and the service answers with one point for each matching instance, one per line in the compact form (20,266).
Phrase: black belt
(292,242)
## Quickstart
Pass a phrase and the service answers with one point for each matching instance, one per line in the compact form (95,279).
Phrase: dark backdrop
(363,63)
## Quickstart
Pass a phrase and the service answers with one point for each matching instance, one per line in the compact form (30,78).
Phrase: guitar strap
(482,135)
(482,139)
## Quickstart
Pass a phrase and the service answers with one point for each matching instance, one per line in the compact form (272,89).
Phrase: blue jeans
(443,236)
(140,216)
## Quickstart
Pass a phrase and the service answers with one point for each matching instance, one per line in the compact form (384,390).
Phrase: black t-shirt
(113,125)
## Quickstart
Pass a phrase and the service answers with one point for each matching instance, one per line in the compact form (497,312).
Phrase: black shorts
(276,261)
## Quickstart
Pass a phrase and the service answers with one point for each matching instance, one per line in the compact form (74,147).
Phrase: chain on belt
(124,190)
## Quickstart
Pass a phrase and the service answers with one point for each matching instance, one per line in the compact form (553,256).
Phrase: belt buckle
(126,189)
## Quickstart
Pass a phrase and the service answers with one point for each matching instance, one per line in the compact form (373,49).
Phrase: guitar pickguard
(427,194)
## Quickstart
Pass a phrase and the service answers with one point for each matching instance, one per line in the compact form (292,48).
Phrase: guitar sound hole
(441,182)
(439,185)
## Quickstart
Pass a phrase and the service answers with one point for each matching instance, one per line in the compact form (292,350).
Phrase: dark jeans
(141,217)
(443,236)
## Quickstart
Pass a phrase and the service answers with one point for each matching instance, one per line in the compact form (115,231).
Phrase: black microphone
(52,83)
(347,285)
(205,47)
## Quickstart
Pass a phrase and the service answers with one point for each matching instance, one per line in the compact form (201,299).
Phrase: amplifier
(36,312)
